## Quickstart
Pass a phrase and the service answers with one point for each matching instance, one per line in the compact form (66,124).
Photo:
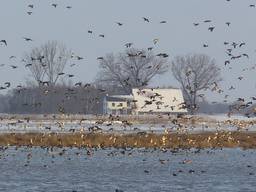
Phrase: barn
(158,101)
(146,101)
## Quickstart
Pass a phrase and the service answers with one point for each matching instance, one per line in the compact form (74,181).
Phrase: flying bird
(162,22)
(27,39)
(211,29)
(119,24)
(145,19)
(228,23)
(54,5)
(155,41)
(4,42)
(207,21)
(127,45)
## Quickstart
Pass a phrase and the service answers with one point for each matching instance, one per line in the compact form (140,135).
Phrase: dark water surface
(36,169)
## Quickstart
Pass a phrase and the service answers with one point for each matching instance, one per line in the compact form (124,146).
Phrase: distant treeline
(81,99)
(58,99)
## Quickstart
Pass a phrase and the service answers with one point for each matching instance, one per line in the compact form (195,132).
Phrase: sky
(177,37)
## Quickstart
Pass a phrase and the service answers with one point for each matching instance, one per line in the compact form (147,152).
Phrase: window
(113,104)
(121,104)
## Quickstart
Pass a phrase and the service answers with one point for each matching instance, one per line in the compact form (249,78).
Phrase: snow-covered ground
(209,123)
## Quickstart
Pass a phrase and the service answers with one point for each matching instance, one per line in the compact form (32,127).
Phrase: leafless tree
(47,63)
(195,73)
(132,68)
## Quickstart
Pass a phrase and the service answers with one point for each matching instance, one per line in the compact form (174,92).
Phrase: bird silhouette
(27,39)
(119,24)
(4,42)
(145,19)
(54,5)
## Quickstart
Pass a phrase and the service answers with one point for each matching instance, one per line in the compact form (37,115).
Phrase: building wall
(116,105)
(169,101)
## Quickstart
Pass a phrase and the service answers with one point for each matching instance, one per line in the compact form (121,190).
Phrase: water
(135,170)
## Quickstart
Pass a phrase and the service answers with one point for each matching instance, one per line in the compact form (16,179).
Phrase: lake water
(36,169)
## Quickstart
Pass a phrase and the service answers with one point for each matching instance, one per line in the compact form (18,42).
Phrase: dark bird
(28,65)
(78,84)
(101,35)
(205,45)
(54,5)
(100,58)
(241,44)
(79,58)
(29,12)
(27,39)
(61,73)
(232,87)
(31,6)
(207,21)
(12,57)
(252,5)
(234,44)
(145,19)
(195,24)
(4,42)
(162,22)
(14,66)
(119,24)
(245,55)
(211,29)
(90,31)
(227,62)
(127,45)
(228,23)
(8,84)
(68,7)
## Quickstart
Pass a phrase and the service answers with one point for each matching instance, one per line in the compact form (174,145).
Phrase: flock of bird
(230,47)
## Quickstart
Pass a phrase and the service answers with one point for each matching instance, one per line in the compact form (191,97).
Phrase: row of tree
(133,68)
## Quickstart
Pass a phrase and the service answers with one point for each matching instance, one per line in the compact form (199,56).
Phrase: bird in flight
(27,39)
(162,22)
(31,6)
(211,29)
(228,23)
(54,5)
(29,12)
(4,42)
(207,21)
(155,41)
(119,24)
(127,45)
(145,19)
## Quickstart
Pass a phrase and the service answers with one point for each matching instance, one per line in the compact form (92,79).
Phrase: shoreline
(221,139)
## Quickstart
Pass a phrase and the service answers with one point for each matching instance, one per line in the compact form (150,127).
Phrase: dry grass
(174,140)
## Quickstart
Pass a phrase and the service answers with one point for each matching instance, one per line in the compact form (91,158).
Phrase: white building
(145,101)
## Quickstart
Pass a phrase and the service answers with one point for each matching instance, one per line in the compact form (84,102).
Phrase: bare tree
(47,63)
(132,68)
(195,73)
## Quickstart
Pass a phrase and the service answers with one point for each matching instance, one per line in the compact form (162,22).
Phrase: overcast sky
(177,37)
